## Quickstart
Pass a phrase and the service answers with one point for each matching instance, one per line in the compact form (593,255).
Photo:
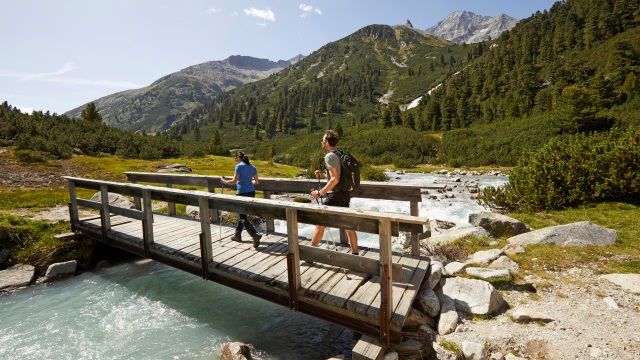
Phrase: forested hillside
(44,135)
(571,69)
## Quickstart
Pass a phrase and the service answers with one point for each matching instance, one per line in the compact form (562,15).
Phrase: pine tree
(90,113)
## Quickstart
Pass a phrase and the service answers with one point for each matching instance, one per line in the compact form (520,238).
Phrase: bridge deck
(263,271)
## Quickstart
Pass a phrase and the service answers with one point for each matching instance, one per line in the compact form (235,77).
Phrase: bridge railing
(385,225)
(269,186)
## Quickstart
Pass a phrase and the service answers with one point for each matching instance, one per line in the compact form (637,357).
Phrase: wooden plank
(368,348)
(206,252)
(413,237)
(386,294)
(90,204)
(171,206)
(269,221)
(211,187)
(130,213)
(348,261)
(294,256)
(411,290)
(73,200)
(147,222)
(249,265)
(344,289)
(105,220)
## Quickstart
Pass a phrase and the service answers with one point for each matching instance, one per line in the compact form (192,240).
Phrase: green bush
(368,172)
(31,156)
(573,170)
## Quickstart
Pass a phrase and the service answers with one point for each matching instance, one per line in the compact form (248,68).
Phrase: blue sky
(57,55)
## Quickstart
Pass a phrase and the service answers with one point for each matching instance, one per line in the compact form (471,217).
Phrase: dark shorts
(340,199)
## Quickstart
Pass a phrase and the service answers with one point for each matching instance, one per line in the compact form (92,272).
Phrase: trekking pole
(220,213)
(335,247)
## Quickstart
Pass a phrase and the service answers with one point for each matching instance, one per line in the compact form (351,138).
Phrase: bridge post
(137,204)
(269,223)
(211,187)
(105,218)
(171,206)
(205,223)
(293,257)
(73,204)
(386,300)
(147,222)
(415,242)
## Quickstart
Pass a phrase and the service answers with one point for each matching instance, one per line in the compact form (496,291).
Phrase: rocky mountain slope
(157,106)
(467,27)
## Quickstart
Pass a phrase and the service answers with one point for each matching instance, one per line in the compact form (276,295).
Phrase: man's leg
(317,235)
(353,240)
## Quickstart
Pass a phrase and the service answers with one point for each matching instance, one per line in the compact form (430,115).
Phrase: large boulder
(629,282)
(428,302)
(449,236)
(60,270)
(489,274)
(116,200)
(448,321)
(235,351)
(504,263)
(484,257)
(473,296)
(435,273)
(581,233)
(17,276)
(497,224)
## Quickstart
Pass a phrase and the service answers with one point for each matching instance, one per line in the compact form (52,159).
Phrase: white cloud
(24,109)
(308,9)
(55,77)
(213,10)
(265,14)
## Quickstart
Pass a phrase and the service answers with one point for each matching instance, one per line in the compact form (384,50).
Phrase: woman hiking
(245,177)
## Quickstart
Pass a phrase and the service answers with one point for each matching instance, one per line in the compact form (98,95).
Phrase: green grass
(36,198)
(621,257)
(32,242)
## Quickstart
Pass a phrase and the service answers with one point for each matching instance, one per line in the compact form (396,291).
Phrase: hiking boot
(236,237)
(256,240)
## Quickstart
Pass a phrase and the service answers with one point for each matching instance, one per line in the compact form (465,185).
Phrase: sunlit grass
(37,198)
(623,256)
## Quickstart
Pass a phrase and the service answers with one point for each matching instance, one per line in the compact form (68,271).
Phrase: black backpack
(349,173)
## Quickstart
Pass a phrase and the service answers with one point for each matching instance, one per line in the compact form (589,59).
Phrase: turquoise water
(147,310)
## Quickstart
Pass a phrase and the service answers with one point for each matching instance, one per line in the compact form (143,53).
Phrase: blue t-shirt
(245,175)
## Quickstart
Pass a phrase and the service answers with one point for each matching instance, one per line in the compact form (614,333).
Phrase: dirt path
(584,325)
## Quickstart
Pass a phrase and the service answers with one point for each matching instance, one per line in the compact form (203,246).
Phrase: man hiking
(331,194)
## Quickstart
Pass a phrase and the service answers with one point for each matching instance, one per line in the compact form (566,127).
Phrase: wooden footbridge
(371,293)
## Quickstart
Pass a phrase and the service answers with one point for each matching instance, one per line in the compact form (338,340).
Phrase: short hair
(332,137)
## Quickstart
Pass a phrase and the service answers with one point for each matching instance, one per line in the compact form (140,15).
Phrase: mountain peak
(468,27)
(408,24)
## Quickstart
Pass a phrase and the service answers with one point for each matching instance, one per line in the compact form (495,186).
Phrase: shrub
(31,156)
(371,173)
(572,170)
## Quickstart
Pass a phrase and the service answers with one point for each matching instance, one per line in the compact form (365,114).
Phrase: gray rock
(16,276)
(59,270)
(510,356)
(611,303)
(496,356)
(235,351)
(497,224)
(504,263)
(448,314)
(391,355)
(489,274)
(473,351)
(512,249)
(472,296)
(629,282)
(114,200)
(428,302)
(484,257)
(524,315)
(435,274)
(575,234)
(449,236)
(416,318)
(438,226)
(193,211)
(4,256)
(454,267)
(409,346)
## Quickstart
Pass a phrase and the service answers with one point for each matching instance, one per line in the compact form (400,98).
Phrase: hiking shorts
(340,199)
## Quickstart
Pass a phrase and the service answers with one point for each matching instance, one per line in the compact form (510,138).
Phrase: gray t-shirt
(332,160)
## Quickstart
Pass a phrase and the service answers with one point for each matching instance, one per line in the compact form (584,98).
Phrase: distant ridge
(157,106)
(467,27)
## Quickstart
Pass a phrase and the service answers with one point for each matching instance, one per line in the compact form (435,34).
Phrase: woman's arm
(255,179)
(232,181)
